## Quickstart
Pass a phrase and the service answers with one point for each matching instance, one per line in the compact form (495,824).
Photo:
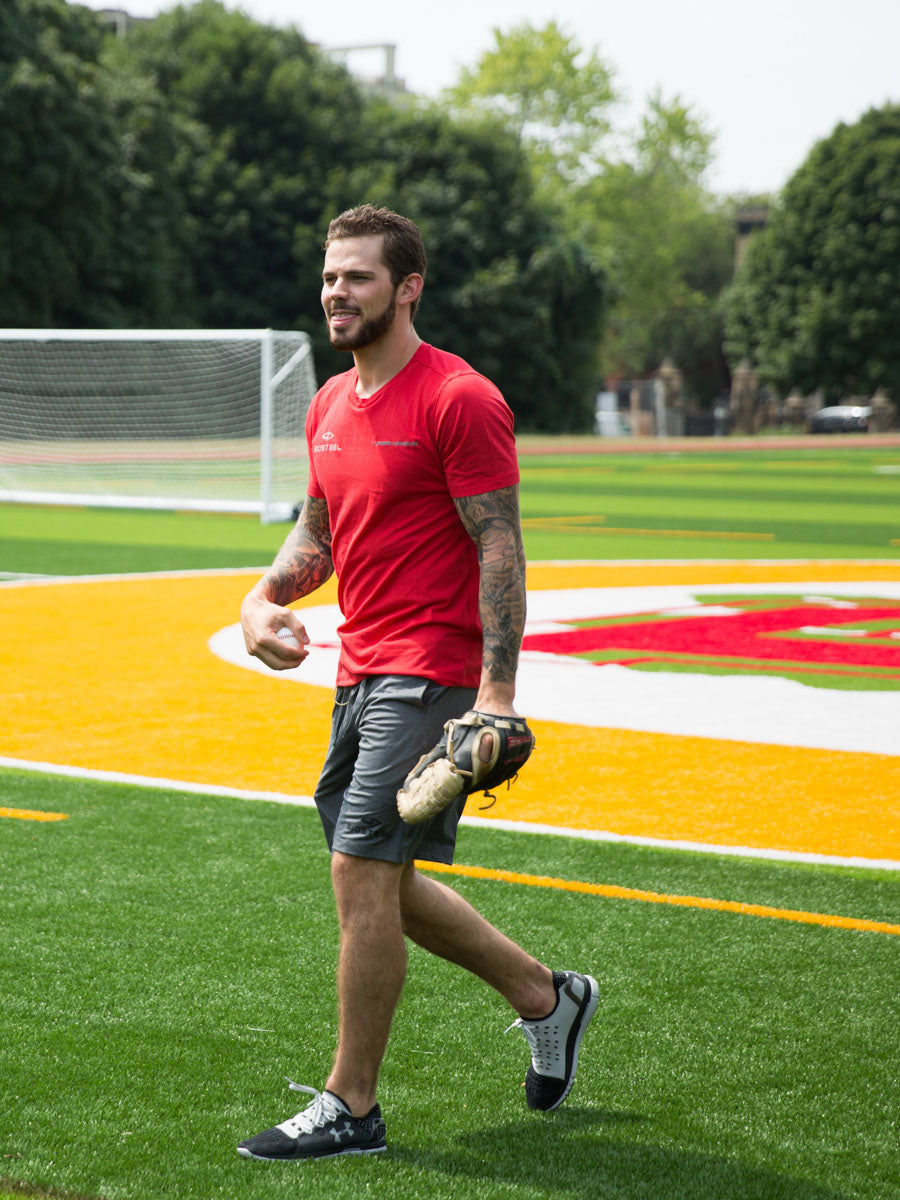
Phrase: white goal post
(196,419)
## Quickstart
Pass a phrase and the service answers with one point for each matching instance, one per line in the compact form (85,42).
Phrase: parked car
(841,418)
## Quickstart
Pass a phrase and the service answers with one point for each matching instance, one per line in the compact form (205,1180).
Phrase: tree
(276,140)
(551,93)
(264,120)
(88,216)
(672,249)
(816,303)
(56,159)
(637,200)
(185,175)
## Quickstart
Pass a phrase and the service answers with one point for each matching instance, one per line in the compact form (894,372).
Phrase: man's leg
(345,1118)
(555,1008)
(442,922)
(371,970)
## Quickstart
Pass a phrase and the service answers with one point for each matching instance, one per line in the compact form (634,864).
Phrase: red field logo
(819,640)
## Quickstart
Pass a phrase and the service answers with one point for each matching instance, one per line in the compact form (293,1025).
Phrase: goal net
(193,419)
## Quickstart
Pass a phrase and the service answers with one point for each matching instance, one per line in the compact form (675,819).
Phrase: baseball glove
(455,765)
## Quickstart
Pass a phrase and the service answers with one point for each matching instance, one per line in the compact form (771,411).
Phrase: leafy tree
(549,91)
(192,174)
(56,159)
(672,249)
(816,302)
(264,119)
(87,212)
(278,140)
(637,200)
(143,277)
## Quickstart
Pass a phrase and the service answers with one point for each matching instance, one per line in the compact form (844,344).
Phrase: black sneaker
(555,1039)
(325,1127)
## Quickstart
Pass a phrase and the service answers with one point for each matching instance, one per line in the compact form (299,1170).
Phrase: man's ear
(410,289)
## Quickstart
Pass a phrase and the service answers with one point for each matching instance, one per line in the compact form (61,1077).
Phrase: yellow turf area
(116,675)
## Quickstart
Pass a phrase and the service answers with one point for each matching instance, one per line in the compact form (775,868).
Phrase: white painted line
(151,781)
(588,835)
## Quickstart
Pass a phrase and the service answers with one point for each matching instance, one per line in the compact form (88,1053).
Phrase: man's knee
(364,885)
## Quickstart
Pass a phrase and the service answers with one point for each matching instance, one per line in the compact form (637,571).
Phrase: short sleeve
(475,436)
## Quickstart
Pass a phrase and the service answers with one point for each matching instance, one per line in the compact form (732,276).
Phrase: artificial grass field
(168,957)
(828,502)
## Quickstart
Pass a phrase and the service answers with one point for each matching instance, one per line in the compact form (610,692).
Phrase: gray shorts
(380,728)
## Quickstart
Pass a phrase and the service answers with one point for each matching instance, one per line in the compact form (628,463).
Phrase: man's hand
(261,621)
(302,564)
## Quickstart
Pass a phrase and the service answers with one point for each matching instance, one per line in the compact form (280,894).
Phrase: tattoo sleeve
(304,561)
(492,521)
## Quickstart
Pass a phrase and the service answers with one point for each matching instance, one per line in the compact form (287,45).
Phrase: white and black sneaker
(326,1127)
(554,1039)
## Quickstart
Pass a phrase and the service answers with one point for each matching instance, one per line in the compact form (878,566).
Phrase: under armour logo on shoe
(337,1134)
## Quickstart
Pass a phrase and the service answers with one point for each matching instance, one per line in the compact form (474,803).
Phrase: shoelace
(317,1113)
(542,1056)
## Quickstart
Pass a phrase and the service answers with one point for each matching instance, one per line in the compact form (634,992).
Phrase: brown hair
(402,250)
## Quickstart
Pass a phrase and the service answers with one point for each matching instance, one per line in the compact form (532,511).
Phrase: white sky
(769,77)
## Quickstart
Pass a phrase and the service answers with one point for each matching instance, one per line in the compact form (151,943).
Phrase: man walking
(413,501)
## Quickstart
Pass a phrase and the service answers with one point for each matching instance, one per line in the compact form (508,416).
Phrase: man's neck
(377,364)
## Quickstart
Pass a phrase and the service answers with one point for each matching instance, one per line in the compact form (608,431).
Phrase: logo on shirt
(330,444)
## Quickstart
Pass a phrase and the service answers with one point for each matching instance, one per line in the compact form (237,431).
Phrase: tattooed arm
(492,521)
(302,564)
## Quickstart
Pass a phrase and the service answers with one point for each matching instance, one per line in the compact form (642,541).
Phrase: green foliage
(88,214)
(666,245)
(55,159)
(671,246)
(281,140)
(550,91)
(263,119)
(231,144)
(185,175)
(816,303)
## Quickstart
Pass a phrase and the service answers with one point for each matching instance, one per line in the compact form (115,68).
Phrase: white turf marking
(588,835)
(153,781)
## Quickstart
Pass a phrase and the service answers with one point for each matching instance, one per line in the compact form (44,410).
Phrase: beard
(368,331)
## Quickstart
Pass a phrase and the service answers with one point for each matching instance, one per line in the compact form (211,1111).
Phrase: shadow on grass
(579,1153)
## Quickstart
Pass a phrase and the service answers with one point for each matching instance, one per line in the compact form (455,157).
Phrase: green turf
(750,504)
(69,541)
(169,960)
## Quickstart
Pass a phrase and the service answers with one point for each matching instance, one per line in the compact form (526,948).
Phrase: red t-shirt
(389,468)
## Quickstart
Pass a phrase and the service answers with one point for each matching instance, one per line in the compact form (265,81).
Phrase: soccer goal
(179,419)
